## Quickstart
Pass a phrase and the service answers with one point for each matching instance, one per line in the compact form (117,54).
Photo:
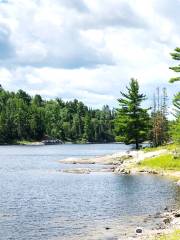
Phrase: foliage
(176,103)
(159,133)
(176,56)
(175,131)
(165,162)
(23,117)
(131,121)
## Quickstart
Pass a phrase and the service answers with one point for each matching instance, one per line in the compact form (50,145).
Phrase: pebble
(138,230)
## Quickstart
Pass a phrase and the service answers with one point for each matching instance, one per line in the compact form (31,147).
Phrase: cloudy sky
(87,49)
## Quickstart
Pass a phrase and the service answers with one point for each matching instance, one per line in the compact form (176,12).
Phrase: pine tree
(175,130)
(176,103)
(176,56)
(132,120)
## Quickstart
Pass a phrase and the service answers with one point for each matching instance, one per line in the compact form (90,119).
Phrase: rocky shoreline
(120,163)
(168,221)
(127,163)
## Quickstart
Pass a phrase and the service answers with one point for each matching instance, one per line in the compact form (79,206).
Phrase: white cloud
(87,49)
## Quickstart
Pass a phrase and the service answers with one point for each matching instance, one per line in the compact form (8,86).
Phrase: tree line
(23,117)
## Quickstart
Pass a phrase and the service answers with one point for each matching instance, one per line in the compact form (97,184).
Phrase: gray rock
(78,170)
(139,230)
(167,220)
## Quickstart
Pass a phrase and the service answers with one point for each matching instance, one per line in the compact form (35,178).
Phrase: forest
(32,118)
(23,117)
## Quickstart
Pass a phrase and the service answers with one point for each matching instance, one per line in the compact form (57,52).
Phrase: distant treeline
(23,117)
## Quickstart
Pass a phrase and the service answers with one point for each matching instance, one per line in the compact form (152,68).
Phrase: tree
(176,56)
(176,103)
(175,130)
(159,133)
(132,120)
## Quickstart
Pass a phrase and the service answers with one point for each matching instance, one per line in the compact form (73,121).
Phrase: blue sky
(87,49)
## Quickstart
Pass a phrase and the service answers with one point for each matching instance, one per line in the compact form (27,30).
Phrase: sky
(88,49)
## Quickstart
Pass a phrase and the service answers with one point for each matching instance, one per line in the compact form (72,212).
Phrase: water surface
(37,201)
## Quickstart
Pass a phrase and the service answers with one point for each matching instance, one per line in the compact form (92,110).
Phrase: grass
(162,162)
(24,142)
(170,147)
(173,236)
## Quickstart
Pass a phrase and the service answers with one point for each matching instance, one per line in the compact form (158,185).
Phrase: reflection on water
(39,202)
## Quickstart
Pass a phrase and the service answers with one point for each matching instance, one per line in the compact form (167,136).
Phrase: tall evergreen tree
(175,130)
(131,123)
(176,56)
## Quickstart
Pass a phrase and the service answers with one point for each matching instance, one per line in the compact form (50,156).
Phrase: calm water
(37,201)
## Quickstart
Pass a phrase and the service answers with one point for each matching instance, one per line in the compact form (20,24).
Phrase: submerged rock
(107,228)
(78,170)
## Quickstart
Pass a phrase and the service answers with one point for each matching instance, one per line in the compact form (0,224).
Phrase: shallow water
(37,201)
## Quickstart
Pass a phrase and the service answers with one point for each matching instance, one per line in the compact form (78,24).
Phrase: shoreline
(128,163)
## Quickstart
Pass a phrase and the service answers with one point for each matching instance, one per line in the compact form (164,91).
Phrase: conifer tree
(132,120)
(175,130)
(176,56)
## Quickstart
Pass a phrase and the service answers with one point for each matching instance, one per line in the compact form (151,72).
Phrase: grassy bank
(173,236)
(162,162)
(170,147)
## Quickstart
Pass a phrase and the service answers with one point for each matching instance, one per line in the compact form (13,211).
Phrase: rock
(157,215)
(178,183)
(78,170)
(107,228)
(167,220)
(126,172)
(177,214)
(166,209)
(153,172)
(139,230)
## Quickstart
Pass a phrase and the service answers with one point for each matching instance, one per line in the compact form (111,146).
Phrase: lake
(37,201)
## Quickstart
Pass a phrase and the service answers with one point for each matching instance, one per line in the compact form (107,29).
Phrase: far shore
(40,143)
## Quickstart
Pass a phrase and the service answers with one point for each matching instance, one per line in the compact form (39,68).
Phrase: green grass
(173,236)
(164,162)
(170,147)
(24,142)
